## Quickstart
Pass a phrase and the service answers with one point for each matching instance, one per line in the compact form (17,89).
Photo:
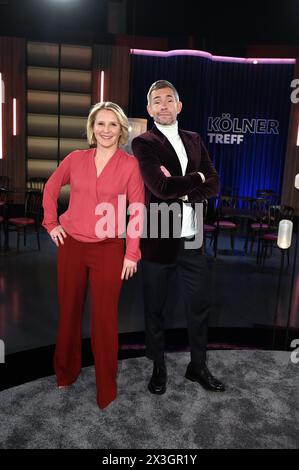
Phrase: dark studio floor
(244,307)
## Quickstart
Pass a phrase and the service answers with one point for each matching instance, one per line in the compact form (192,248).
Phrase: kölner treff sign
(226,129)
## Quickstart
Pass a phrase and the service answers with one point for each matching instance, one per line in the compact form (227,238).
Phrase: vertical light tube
(102,84)
(14,114)
(1,118)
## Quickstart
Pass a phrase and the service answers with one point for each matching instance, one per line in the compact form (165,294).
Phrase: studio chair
(258,224)
(3,199)
(209,229)
(244,212)
(36,184)
(3,196)
(226,207)
(32,217)
(269,238)
(1,225)
(269,195)
(4,182)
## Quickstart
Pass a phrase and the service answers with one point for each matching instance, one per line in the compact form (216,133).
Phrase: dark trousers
(194,283)
(99,263)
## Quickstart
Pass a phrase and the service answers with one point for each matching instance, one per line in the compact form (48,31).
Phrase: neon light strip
(102,85)
(298,136)
(1,122)
(207,55)
(14,113)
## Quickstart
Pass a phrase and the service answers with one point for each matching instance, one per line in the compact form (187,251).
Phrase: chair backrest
(4,182)
(287,212)
(33,205)
(278,213)
(267,194)
(261,206)
(210,210)
(228,202)
(36,184)
(3,195)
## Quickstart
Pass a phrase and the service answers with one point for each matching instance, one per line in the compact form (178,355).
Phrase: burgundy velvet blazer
(153,149)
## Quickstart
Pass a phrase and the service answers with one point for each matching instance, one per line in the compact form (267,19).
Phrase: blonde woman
(98,178)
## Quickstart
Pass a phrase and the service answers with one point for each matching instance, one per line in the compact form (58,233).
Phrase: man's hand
(165,171)
(167,174)
(129,268)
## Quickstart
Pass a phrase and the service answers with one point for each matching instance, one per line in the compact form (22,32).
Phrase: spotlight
(14,114)
(101,85)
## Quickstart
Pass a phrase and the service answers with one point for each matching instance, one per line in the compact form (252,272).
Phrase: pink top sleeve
(135,194)
(59,178)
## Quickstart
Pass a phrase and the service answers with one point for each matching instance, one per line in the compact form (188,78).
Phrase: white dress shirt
(189,223)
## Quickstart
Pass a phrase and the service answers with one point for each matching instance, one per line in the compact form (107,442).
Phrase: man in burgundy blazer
(178,174)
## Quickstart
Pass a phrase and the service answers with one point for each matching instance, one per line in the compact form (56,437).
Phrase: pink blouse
(92,198)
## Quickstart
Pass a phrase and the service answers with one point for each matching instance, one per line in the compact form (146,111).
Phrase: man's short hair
(162,84)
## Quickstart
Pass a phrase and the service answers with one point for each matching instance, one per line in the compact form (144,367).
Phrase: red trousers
(101,264)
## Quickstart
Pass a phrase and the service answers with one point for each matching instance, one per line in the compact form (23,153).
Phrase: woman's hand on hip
(129,269)
(57,235)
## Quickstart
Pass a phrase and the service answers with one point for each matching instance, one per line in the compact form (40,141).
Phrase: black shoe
(157,384)
(204,377)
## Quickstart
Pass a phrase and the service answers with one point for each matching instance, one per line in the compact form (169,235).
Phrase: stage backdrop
(239,106)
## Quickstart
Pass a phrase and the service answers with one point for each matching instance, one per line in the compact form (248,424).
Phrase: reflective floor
(244,295)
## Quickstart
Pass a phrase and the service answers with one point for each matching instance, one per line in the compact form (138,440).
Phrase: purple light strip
(215,58)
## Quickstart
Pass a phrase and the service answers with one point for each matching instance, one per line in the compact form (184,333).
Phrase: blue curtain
(225,99)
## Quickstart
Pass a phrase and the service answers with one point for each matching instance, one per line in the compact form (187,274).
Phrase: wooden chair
(209,229)
(4,182)
(259,223)
(226,206)
(32,217)
(36,184)
(268,194)
(3,199)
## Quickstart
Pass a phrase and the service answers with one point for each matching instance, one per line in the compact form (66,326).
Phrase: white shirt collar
(170,130)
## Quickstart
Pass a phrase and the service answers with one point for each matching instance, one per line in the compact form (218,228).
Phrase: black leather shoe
(204,377)
(157,384)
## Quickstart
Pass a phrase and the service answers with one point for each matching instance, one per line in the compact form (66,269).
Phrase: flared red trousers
(100,264)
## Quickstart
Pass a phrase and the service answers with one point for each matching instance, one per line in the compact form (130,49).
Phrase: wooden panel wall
(56,110)
(13,69)
(115,61)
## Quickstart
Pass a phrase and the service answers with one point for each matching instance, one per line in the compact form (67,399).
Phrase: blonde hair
(122,118)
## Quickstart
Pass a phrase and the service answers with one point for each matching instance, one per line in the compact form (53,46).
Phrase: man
(177,172)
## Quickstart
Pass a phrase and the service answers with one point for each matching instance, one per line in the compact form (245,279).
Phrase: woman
(97,178)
